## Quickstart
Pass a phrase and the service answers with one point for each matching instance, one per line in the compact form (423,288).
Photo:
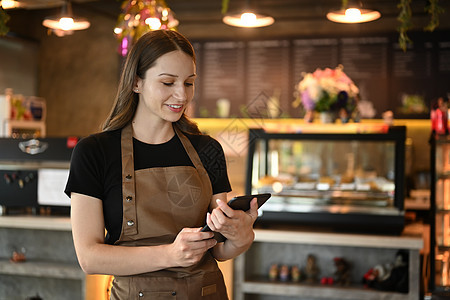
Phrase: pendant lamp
(353,13)
(248,18)
(65,23)
(9,4)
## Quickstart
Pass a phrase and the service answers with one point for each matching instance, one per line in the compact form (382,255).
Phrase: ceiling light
(248,18)
(66,23)
(353,14)
(8,4)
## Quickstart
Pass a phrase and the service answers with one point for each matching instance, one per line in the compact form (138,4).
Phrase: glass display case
(345,180)
(440,210)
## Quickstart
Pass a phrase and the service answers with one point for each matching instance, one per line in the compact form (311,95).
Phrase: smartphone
(241,203)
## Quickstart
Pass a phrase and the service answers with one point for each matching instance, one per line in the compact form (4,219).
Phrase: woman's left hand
(235,225)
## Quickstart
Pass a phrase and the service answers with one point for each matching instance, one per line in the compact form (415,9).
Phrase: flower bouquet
(328,90)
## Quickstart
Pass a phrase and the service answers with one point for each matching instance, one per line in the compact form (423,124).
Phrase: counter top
(36,222)
(261,235)
(339,239)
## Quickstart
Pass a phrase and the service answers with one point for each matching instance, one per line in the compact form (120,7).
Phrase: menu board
(365,61)
(267,72)
(443,80)
(222,75)
(412,73)
(259,77)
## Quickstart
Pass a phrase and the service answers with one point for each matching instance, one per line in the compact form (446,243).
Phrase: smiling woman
(152,180)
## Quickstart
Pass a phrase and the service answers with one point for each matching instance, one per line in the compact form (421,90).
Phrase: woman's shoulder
(99,142)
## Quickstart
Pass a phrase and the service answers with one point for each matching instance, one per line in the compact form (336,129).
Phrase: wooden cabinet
(251,269)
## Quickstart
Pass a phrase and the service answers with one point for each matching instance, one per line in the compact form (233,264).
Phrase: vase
(327,117)
(309,116)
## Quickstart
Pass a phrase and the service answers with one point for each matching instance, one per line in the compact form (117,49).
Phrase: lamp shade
(353,15)
(65,23)
(248,19)
(8,4)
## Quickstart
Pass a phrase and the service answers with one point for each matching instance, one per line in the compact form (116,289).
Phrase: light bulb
(353,14)
(66,23)
(248,18)
(154,23)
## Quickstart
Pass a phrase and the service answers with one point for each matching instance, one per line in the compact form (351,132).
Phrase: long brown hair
(142,57)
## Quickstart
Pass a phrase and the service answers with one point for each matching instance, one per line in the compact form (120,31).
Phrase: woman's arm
(96,257)
(235,225)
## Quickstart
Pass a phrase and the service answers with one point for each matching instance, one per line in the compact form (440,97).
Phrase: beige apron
(157,204)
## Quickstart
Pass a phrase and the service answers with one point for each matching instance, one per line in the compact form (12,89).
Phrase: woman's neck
(152,133)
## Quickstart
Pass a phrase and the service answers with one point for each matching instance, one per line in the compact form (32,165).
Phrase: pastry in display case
(344,180)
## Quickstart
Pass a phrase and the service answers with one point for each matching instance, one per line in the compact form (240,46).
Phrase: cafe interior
(338,109)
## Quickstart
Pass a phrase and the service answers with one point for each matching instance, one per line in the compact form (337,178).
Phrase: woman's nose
(180,93)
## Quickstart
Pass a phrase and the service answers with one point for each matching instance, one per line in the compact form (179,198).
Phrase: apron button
(130,223)
(141,294)
(174,293)
(129,198)
(128,176)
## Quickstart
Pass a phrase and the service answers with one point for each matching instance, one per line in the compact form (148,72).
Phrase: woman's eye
(168,83)
(188,83)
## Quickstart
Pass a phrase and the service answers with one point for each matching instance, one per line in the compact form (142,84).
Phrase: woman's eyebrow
(172,75)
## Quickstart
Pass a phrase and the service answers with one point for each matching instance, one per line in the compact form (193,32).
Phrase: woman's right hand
(190,245)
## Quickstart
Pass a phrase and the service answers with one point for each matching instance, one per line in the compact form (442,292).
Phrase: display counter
(253,278)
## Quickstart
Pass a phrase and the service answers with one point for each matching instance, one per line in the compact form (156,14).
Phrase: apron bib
(157,204)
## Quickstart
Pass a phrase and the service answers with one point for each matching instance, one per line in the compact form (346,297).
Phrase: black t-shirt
(96,168)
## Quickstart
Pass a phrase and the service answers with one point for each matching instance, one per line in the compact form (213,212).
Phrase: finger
(187,234)
(228,211)
(210,222)
(253,211)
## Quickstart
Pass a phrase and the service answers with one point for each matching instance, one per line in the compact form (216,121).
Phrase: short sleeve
(86,170)
(213,158)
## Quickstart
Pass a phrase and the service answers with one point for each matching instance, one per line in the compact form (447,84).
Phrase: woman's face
(168,87)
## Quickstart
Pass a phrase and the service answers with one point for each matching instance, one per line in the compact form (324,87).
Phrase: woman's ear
(137,85)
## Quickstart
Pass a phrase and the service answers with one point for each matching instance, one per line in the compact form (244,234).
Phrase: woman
(152,181)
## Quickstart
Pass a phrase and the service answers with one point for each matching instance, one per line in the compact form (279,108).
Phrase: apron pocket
(160,295)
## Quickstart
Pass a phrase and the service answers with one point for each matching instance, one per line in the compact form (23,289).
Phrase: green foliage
(225,4)
(433,9)
(326,102)
(3,20)
(405,23)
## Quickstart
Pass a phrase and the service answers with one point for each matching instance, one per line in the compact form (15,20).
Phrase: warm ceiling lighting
(66,23)
(8,4)
(139,17)
(248,19)
(353,14)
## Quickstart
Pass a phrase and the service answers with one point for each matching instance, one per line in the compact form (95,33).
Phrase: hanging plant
(433,9)
(3,19)
(225,4)
(405,23)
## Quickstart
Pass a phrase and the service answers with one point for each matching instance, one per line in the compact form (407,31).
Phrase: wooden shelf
(279,246)
(36,222)
(42,269)
(316,290)
(337,239)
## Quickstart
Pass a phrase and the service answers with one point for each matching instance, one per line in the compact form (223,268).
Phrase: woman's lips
(175,107)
